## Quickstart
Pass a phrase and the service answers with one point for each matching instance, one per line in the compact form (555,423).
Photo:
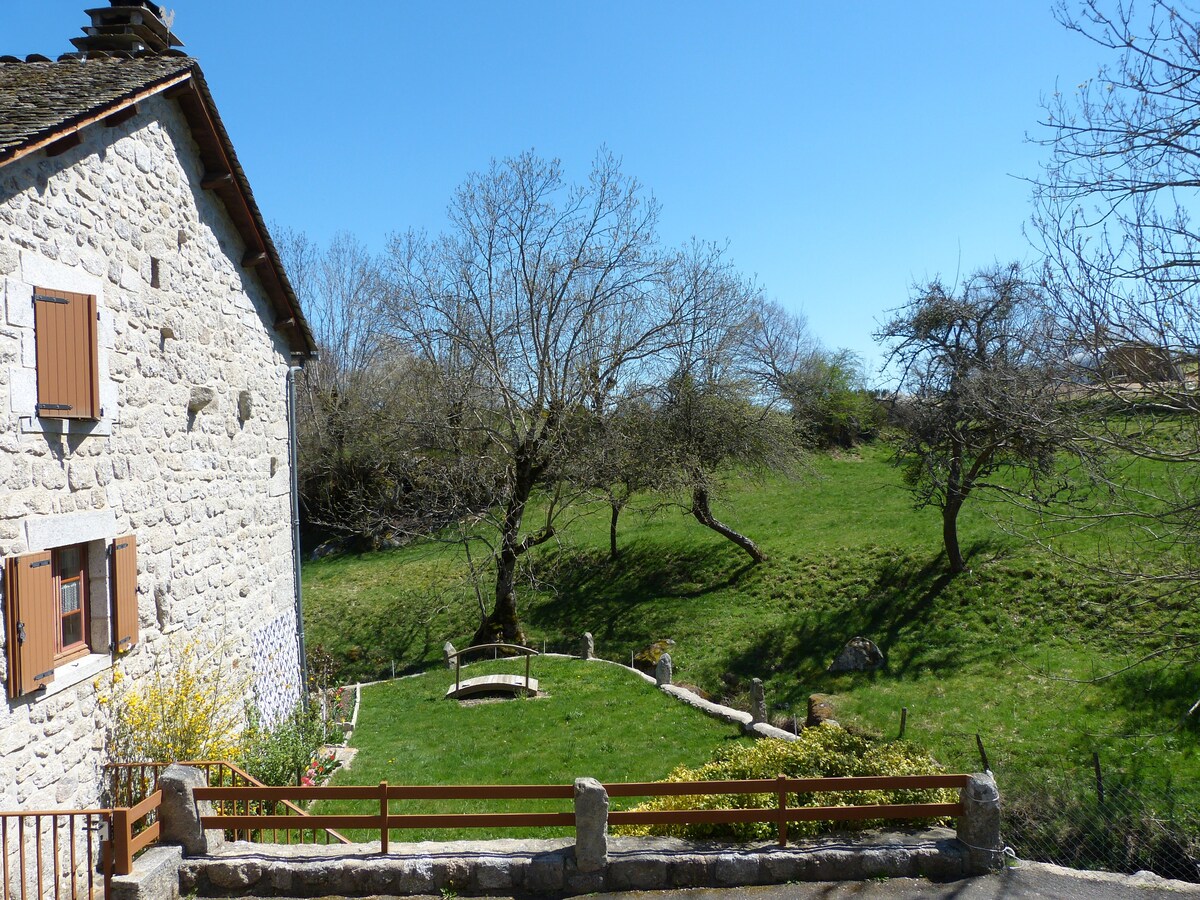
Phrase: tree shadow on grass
(899,611)
(1156,697)
(623,599)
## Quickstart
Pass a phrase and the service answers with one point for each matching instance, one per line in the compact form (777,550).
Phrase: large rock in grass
(859,655)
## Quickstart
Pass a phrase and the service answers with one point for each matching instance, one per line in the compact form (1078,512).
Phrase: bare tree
(1114,207)
(717,411)
(1115,211)
(974,392)
(544,300)
(352,382)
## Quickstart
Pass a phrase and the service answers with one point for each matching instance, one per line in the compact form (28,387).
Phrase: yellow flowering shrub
(823,752)
(191,708)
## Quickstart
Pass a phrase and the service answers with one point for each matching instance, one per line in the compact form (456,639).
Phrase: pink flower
(306,781)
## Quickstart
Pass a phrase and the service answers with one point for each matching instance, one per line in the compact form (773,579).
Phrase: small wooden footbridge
(515,685)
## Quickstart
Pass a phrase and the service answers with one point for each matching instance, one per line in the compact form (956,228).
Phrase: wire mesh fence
(1064,819)
(1085,810)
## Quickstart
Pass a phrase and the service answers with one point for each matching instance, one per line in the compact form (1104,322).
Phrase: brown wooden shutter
(29,605)
(125,602)
(68,356)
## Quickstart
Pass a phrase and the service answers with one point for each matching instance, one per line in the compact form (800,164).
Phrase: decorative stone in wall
(758,701)
(276,668)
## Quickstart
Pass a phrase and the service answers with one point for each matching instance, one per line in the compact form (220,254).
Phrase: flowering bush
(826,751)
(320,769)
(189,708)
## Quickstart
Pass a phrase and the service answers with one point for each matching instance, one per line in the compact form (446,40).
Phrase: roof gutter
(293,460)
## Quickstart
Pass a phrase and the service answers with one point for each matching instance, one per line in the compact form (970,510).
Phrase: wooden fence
(129,783)
(73,853)
(383,821)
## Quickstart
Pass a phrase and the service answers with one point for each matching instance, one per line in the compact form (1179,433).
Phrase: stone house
(148,336)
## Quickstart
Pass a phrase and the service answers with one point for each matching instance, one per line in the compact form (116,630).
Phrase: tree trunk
(956,493)
(950,536)
(705,517)
(502,624)
(612,529)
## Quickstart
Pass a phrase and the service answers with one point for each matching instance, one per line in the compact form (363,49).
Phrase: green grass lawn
(1006,650)
(592,720)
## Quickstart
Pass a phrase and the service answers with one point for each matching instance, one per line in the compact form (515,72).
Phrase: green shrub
(284,753)
(827,751)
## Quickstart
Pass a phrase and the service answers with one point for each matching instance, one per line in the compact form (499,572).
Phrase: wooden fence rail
(383,821)
(59,853)
(134,830)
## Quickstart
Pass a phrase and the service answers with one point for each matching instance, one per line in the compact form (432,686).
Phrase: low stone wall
(551,867)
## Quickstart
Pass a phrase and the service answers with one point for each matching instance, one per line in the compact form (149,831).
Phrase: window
(67,352)
(51,614)
(70,590)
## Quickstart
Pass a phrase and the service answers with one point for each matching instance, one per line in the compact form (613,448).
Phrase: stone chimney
(128,26)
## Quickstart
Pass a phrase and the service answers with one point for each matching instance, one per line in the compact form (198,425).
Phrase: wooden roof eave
(219,158)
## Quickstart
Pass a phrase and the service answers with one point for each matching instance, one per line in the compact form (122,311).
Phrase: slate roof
(37,99)
(40,100)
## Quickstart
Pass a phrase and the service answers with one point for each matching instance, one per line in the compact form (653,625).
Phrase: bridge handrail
(520,648)
(528,652)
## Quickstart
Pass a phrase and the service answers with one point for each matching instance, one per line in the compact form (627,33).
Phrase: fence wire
(1065,820)
(1085,810)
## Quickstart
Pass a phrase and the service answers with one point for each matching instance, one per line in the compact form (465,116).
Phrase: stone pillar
(587,649)
(591,825)
(758,702)
(664,669)
(979,825)
(448,652)
(180,814)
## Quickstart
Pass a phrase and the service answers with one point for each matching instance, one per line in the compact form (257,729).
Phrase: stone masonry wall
(122,216)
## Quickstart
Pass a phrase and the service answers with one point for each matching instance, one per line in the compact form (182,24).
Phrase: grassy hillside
(1005,650)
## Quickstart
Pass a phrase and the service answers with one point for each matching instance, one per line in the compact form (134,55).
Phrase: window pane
(69,596)
(68,562)
(72,630)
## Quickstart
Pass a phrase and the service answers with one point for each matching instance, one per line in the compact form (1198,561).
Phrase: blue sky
(844,150)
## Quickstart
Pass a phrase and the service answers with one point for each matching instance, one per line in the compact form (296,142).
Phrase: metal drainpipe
(293,461)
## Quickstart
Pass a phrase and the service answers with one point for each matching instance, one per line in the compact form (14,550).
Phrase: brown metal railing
(55,854)
(384,821)
(131,782)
